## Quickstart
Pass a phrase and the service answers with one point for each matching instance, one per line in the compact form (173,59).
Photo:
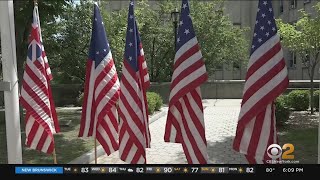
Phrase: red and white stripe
(266,79)
(36,95)
(47,67)
(99,113)
(185,122)
(37,137)
(134,134)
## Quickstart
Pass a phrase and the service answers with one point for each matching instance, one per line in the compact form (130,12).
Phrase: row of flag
(116,113)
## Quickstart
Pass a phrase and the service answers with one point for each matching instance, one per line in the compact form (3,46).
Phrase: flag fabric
(36,95)
(99,116)
(185,121)
(134,135)
(266,78)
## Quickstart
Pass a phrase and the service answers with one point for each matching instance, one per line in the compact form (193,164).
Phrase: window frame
(281,6)
(306,1)
(292,60)
(293,4)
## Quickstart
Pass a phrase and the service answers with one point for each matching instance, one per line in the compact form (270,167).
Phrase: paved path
(220,123)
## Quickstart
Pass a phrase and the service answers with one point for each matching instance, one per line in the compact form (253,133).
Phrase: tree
(303,38)
(156,36)
(49,12)
(220,41)
(73,40)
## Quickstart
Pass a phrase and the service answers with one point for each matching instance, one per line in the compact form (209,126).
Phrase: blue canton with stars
(185,30)
(99,46)
(265,27)
(132,49)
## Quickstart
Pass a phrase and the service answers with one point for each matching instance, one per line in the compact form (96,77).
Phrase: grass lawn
(301,130)
(68,145)
(305,143)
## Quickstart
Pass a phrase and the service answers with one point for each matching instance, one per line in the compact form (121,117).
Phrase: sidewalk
(220,123)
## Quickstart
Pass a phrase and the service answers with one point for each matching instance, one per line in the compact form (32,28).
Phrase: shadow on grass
(73,116)
(305,143)
(301,130)
(301,120)
(66,150)
(68,145)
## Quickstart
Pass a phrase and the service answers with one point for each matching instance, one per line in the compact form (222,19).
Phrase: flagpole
(319,129)
(54,156)
(95,151)
(95,138)
(10,84)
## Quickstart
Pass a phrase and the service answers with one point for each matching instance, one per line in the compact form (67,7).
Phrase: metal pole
(9,68)
(54,155)
(95,151)
(319,128)
(175,24)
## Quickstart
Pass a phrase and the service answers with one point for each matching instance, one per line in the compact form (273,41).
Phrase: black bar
(155,169)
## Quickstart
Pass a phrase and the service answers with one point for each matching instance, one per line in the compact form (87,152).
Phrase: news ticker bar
(134,170)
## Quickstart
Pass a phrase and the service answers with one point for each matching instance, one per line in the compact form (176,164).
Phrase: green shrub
(154,102)
(159,102)
(316,99)
(66,94)
(282,110)
(299,100)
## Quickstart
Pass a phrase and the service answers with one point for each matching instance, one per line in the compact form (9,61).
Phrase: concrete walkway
(220,124)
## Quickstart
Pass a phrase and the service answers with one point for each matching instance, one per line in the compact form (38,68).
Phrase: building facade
(243,14)
(288,11)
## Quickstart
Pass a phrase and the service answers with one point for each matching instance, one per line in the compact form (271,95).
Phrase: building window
(306,60)
(281,6)
(292,60)
(219,67)
(237,24)
(306,1)
(236,65)
(293,4)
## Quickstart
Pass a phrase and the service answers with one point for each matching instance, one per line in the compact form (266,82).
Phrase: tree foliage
(49,11)
(221,42)
(303,38)
(66,31)
(74,41)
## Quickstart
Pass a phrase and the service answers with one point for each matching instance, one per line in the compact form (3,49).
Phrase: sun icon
(158,170)
(213,170)
(103,170)
(240,170)
(185,170)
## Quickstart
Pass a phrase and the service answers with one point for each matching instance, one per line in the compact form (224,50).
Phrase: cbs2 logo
(274,151)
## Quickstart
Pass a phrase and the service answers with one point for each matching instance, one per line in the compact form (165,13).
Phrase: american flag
(102,88)
(36,95)
(185,121)
(266,78)
(134,135)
